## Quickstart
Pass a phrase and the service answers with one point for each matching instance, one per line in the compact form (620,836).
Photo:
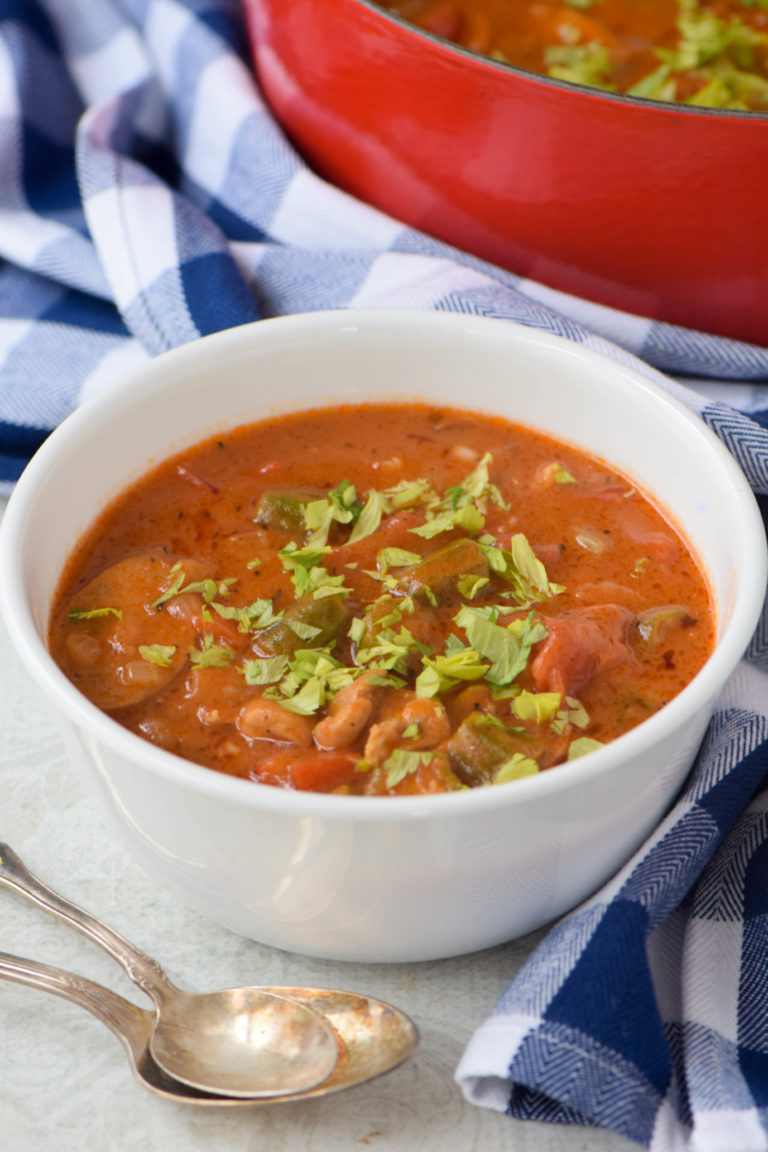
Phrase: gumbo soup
(382,600)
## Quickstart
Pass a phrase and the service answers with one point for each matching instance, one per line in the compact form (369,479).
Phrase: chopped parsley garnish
(516,768)
(94,613)
(159,654)
(210,654)
(506,646)
(404,762)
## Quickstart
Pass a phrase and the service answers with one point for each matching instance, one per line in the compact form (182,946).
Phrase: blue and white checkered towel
(146,198)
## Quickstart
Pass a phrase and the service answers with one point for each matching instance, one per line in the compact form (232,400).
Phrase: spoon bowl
(372,1036)
(241,1041)
(247,1042)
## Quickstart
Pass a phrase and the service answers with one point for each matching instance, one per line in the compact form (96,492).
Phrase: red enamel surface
(655,209)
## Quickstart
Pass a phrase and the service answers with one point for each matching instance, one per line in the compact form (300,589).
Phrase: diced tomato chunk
(308,771)
(581,644)
(323,771)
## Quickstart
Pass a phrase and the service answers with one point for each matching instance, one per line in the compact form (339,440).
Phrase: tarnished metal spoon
(372,1037)
(246,1042)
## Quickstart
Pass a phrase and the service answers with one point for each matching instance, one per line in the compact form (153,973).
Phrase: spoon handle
(145,972)
(129,1023)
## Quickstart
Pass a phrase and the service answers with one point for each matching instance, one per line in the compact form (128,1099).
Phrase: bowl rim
(33,653)
(582,91)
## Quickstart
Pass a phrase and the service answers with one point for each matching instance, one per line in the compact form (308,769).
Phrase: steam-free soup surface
(712,53)
(382,600)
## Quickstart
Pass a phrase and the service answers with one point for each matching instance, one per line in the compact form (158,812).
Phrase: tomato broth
(381,600)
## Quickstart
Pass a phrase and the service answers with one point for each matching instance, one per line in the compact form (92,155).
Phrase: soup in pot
(712,53)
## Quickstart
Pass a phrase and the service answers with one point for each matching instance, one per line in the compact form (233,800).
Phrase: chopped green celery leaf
(470,585)
(557,472)
(582,745)
(384,578)
(429,682)
(462,505)
(521,568)
(537,706)
(409,492)
(258,614)
(396,558)
(262,613)
(453,644)
(173,588)
(588,64)
(493,642)
(444,522)
(293,557)
(318,517)
(718,49)
(528,630)
(729,87)
(208,588)
(356,629)
(469,518)
(507,692)
(390,619)
(310,697)
(656,85)
(376,506)
(307,574)
(486,612)
(313,677)
(159,654)
(332,586)
(303,630)
(391,649)
(94,613)
(211,655)
(516,768)
(487,719)
(439,673)
(402,762)
(268,670)
(530,569)
(477,485)
(341,506)
(575,713)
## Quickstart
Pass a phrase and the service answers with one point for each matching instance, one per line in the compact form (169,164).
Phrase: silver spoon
(373,1037)
(246,1042)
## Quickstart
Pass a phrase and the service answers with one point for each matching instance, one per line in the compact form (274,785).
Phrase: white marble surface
(65,1082)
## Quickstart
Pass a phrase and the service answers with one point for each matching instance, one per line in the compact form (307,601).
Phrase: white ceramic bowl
(383,878)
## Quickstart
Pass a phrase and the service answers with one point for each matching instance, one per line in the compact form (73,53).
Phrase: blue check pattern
(147,197)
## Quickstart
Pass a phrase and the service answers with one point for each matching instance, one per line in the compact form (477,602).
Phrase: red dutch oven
(657,209)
